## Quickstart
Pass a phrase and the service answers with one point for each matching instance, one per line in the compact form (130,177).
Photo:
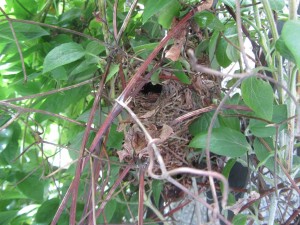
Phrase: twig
(126,20)
(93,192)
(10,121)
(208,109)
(197,205)
(115,19)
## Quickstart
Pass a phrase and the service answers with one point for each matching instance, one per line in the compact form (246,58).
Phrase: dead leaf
(179,40)
(166,132)
(134,140)
(148,114)
(174,53)
(123,154)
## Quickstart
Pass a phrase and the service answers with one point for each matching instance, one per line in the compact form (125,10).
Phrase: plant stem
(275,36)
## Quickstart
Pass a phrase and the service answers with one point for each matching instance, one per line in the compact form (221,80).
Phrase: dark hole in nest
(151,88)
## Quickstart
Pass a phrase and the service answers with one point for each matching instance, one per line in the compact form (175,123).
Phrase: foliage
(56,56)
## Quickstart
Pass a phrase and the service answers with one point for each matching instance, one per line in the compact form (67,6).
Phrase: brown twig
(208,109)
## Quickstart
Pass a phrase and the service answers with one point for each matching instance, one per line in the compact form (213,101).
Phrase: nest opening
(151,88)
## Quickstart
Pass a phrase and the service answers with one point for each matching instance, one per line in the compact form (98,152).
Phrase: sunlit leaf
(166,16)
(224,141)
(202,123)
(277,5)
(62,55)
(291,29)
(153,7)
(24,32)
(258,95)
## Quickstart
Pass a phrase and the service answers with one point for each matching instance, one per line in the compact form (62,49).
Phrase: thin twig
(10,121)
(93,192)
(126,20)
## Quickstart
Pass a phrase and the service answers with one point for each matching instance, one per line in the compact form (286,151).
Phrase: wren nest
(157,106)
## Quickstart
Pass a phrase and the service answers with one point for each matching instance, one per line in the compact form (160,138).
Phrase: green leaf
(59,73)
(265,157)
(94,48)
(258,95)
(277,5)
(180,74)
(47,211)
(230,122)
(213,44)
(230,3)
(109,211)
(29,182)
(231,34)
(157,187)
(24,12)
(153,7)
(11,194)
(29,88)
(142,49)
(5,137)
(85,65)
(112,71)
(11,149)
(7,216)
(70,16)
(207,19)
(227,168)
(290,31)
(224,141)
(168,13)
(262,129)
(115,138)
(62,55)
(283,50)
(24,32)
(204,18)
(239,219)
(201,124)
(221,55)
(61,101)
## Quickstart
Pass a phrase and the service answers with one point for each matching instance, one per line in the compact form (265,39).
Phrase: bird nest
(158,107)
